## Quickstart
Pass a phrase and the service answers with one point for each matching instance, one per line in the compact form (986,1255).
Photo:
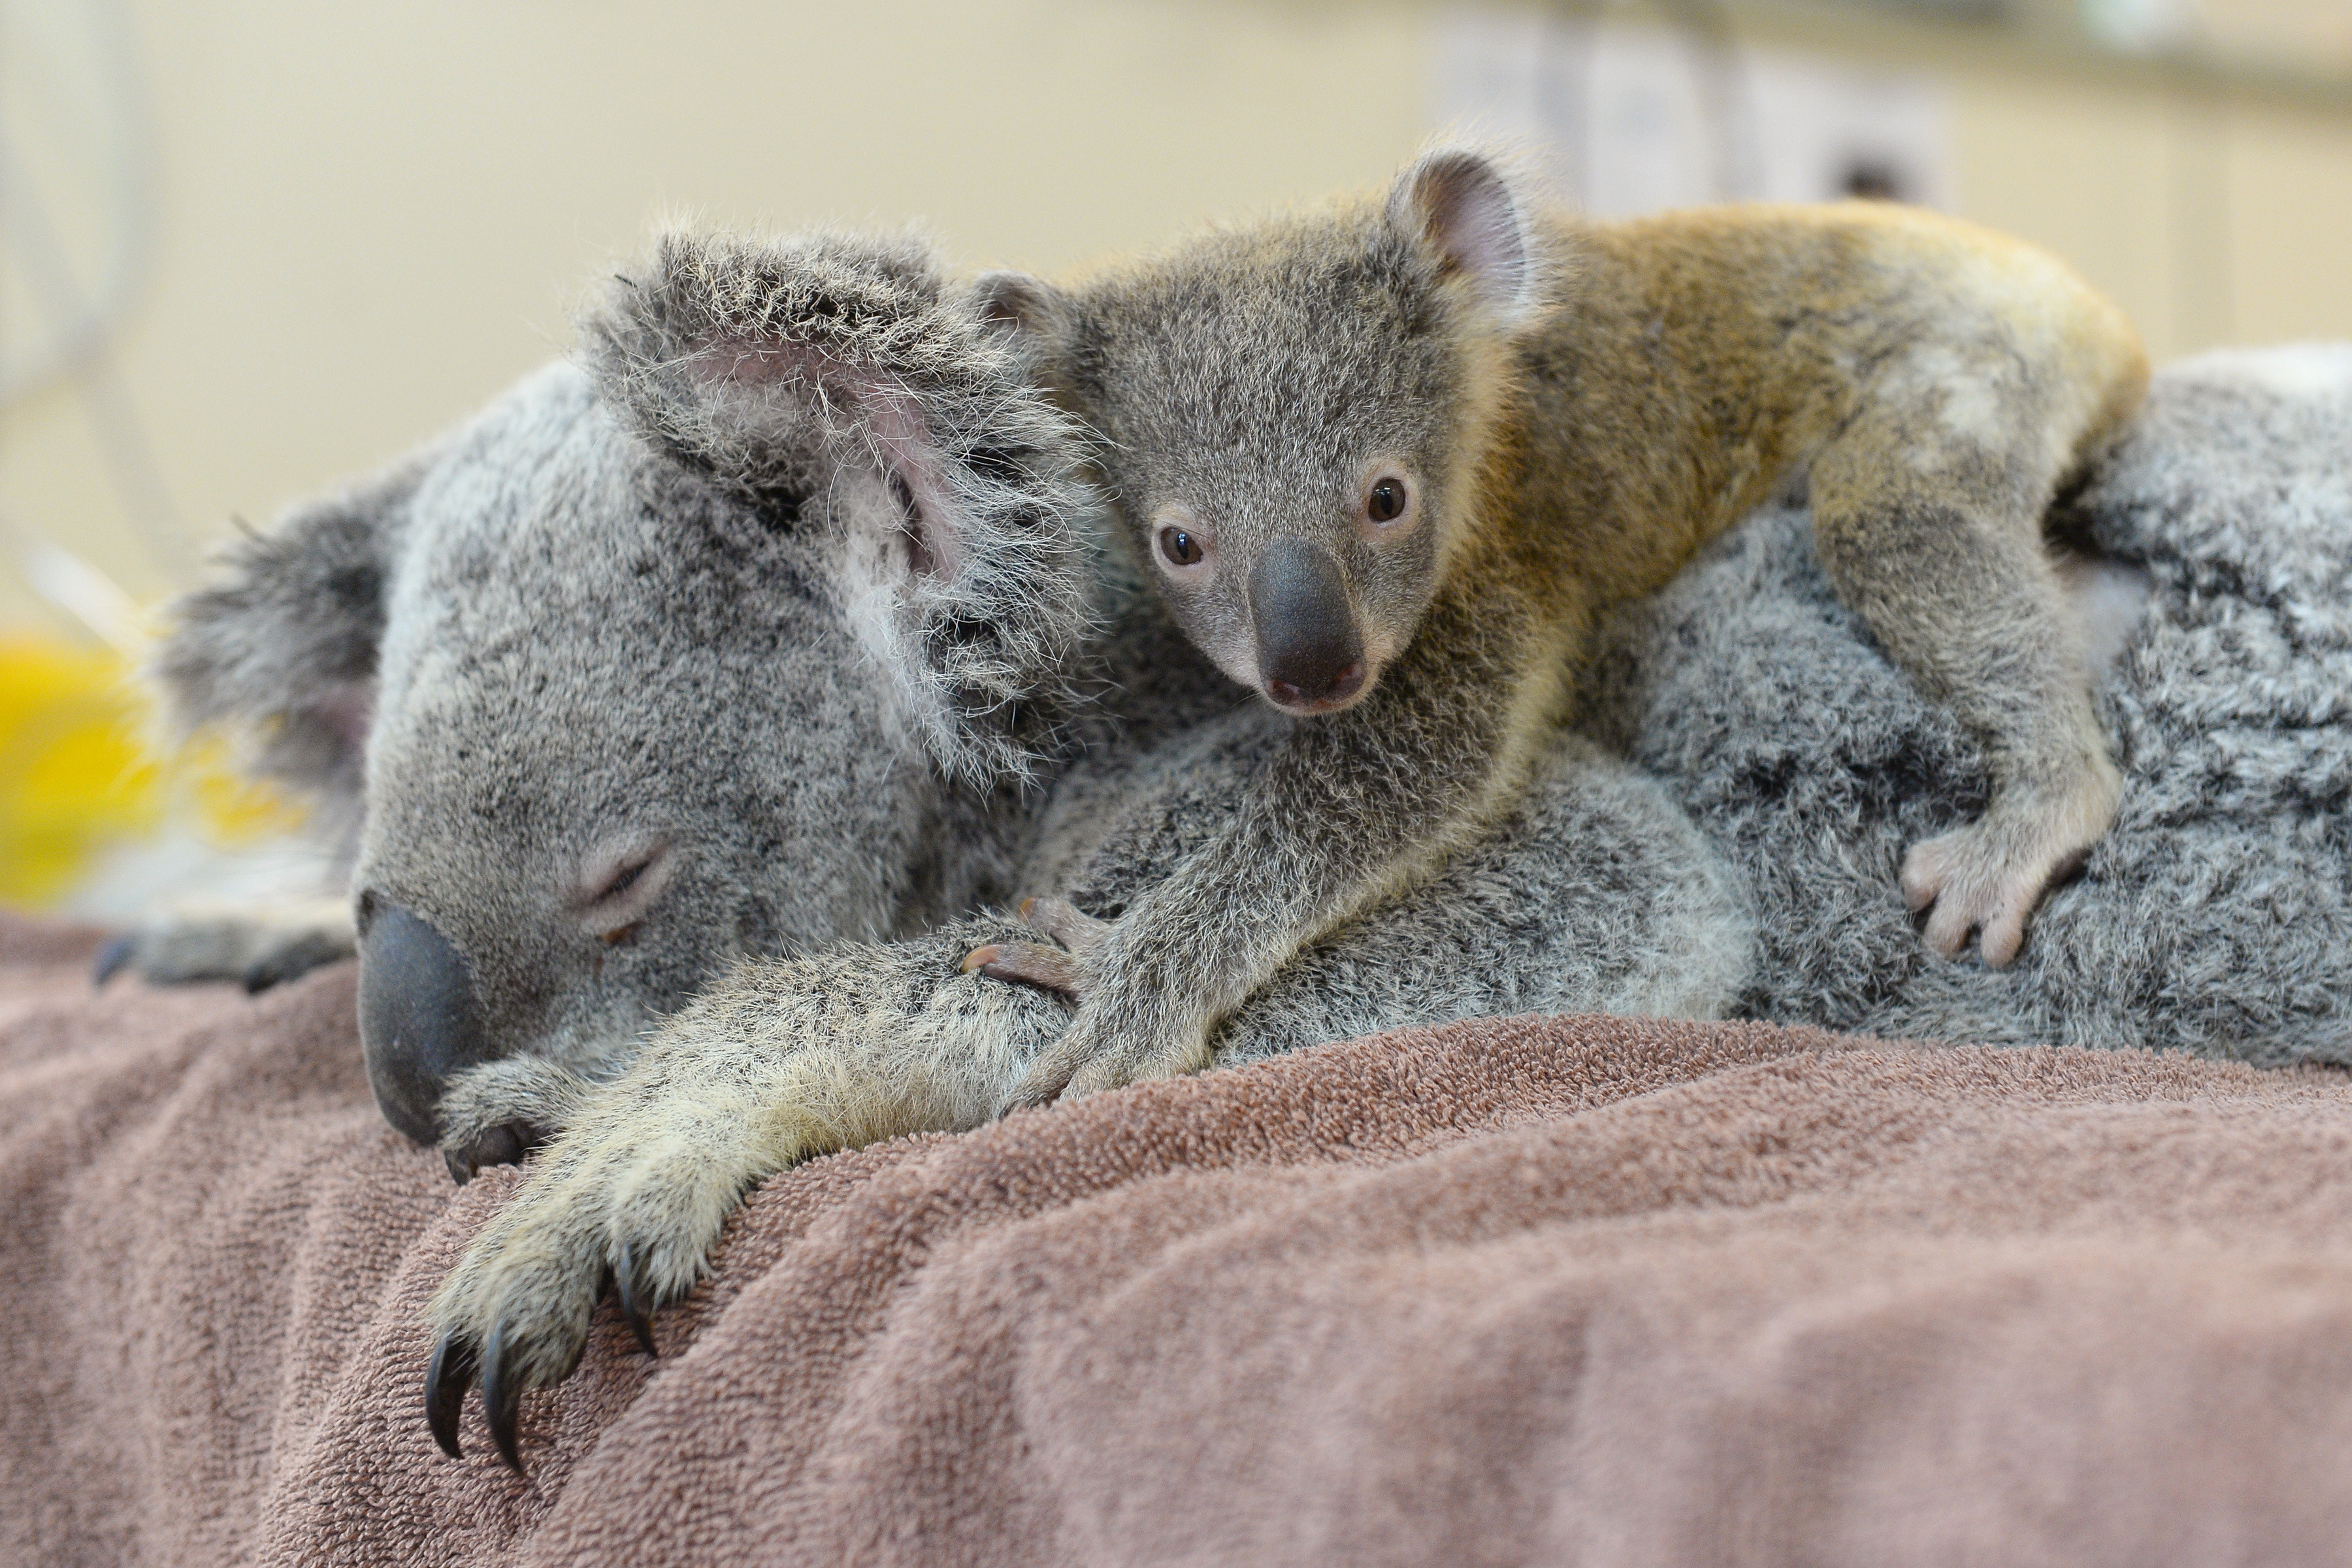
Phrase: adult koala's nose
(1309,653)
(419,1021)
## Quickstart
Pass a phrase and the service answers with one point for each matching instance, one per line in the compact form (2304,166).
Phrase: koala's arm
(258,945)
(1351,808)
(782,1060)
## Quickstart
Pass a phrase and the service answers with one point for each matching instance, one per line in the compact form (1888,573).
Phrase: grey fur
(2216,916)
(1390,462)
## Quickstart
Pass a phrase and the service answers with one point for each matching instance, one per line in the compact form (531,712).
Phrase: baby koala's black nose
(1309,653)
(419,1024)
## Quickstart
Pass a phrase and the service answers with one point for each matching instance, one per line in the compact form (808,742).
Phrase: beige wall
(376,215)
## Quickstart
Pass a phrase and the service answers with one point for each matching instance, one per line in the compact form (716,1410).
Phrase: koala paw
(1988,876)
(258,948)
(625,1199)
(1063,969)
(497,1113)
(1112,1040)
(1109,1046)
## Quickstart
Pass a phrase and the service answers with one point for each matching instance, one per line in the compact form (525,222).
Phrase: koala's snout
(1311,654)
(419,1020)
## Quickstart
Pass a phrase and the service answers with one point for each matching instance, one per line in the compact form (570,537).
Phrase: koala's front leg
(1351,808)
(258,945)
(782,1060)
(1935,539)
(496,1113)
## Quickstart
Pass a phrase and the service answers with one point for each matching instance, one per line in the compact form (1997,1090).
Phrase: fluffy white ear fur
(845,361)
(1460,200)
(761,386)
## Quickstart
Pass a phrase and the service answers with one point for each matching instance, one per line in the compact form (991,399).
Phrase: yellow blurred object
(76,780)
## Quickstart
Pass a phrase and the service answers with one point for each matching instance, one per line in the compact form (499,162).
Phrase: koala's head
(1294,417)
(673,655)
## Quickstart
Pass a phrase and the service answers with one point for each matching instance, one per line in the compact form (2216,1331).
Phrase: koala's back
(1700,360)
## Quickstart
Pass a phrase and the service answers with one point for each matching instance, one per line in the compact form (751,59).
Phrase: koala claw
(1049,968)
(446,1382)
(111,958)
(501,1397)
(257,947)
(635,1293)
(504,1144)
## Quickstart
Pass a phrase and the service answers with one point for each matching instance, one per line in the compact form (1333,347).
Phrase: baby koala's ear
(1029,306)
(1463,203)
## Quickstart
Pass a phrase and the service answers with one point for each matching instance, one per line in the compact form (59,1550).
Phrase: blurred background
(249,249)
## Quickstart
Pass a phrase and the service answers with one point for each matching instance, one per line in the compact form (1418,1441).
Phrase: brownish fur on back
(1702,357)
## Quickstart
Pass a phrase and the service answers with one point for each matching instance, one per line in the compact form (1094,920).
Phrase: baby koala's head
(1294,417)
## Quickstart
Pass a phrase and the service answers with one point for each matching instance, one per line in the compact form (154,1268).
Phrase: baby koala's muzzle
(419,1021)
(1309,653)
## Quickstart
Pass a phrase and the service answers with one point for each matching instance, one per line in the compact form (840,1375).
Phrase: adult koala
(757,639)
(611,690)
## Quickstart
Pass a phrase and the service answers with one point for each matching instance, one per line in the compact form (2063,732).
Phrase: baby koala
(1390,461)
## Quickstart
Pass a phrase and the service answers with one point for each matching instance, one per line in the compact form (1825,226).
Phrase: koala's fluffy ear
(771,366)
(283,645)
(1464,203)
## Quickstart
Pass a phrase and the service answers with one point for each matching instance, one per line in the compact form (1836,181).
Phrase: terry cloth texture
(1558,1292)
(2217,915)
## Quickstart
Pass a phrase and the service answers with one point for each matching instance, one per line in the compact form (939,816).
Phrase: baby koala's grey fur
(2216,916)
(1391,463)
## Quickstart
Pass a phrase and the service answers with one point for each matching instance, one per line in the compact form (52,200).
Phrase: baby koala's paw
(1064,969)
(1988,876)
(258,947)
(496,1113)
(624,1196)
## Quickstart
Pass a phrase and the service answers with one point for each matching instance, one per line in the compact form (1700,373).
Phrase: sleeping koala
(608,706)
(751,656)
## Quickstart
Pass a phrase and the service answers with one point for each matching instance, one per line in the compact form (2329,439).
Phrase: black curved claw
(501,1398)
(634,1304)
(504,1144)
(110,960)
(446,1382)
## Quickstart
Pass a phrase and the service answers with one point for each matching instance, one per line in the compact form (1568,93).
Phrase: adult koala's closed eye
(615,691)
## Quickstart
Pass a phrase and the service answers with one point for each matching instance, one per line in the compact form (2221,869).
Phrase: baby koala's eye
(1179,546)
(1386,503)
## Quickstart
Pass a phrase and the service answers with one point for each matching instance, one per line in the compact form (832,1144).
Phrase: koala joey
(1390,461)
(620,682)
